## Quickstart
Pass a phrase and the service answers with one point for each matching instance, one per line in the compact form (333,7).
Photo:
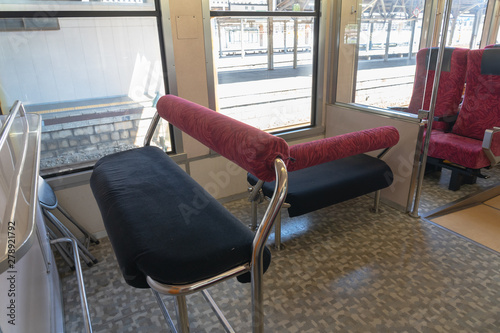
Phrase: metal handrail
(10,120)
(432,106)
(259,243)
(16,179)
(255,267)
(79,277)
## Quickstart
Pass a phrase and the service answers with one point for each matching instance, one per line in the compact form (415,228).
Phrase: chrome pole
(164,311)
(79,277)
(259,243)
(432,107)
(182,314)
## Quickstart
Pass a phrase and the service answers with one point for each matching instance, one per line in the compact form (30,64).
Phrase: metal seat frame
(255,266)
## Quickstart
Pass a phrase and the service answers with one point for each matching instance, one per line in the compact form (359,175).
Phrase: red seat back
(481,105)
(451,82)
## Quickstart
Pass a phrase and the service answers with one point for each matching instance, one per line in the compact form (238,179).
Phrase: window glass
(264,69)
(466,23)
(45,6)
(498,35)
(383,47)
(263,5)
(93,80)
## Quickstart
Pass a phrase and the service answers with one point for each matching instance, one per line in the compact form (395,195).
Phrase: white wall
(87,58)
(400,158)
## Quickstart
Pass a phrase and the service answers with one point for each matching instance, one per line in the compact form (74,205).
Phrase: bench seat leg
(182,314)
(164,311)
(376,202)
(254,225)
(277,232)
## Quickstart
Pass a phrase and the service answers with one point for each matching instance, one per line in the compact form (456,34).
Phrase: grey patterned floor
(344,269)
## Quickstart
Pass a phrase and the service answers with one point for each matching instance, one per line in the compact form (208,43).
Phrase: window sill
(405,116)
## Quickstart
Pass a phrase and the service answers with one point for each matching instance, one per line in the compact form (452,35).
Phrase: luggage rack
(21,220)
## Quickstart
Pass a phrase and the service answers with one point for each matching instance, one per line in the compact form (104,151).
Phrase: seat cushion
(333,182)
(163,224)
(458,149)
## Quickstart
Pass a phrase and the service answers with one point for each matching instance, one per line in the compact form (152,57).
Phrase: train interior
(356,142)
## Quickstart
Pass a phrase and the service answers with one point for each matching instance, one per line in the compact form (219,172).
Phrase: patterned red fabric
(243,144)
(312,153)
(460,150)
(481,106)
(450,90)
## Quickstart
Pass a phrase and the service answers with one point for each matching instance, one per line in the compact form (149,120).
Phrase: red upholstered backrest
(312,153)
(451,82)
(481,106)
(250,148)
(492,46)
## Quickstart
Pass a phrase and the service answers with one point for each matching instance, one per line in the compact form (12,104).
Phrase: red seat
(451,83)
(473,142)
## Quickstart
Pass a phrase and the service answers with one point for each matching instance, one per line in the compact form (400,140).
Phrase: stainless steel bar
(376,204)
(257,270)
(414,172)
(81,285)
(83,251)
(432,107)
(151,129)
(62,250)
(80,227)
(253,225)
(255,191)
(277,232)
(254,195)
(217,311)
(15,179)
(182,314)
(193,287)
(164,311)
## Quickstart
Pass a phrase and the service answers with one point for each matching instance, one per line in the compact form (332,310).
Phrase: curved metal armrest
(491,145)
(312,153)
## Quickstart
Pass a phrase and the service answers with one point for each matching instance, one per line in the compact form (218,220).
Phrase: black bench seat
(163,224)
(329,183)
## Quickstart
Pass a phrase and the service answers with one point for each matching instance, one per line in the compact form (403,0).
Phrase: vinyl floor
(344,269)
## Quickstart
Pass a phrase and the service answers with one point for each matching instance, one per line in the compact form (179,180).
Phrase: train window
(264,59)
(379,43)
(466,23)
(498,34)
(48,6)
(378,48)
(93,80)
(263,5)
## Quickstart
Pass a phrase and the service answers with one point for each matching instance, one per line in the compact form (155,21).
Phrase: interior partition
(401,158)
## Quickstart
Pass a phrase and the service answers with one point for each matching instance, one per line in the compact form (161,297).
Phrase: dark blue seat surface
(163,224)
(332,182)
